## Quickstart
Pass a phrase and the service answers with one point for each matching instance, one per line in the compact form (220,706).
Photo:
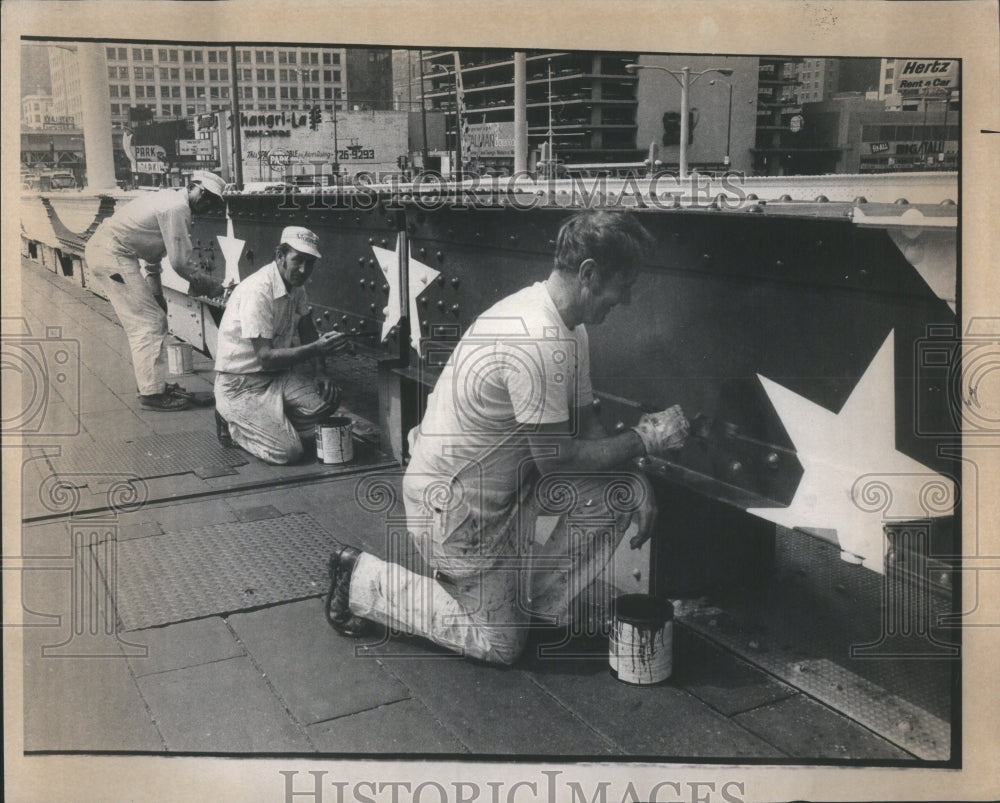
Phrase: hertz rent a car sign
(926,76)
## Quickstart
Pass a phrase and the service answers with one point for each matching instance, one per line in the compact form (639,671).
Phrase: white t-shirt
(260,306)
(516,367)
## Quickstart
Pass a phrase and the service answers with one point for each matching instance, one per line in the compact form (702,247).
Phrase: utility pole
(237,139)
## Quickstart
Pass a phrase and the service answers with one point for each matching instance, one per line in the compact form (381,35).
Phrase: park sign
(923,77)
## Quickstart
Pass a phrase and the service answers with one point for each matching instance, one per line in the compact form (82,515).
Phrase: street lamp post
(685,78)
(457,170)
(729,121)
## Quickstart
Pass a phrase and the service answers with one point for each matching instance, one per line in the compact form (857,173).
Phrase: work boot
(338,608)
(165,402)
(222,431)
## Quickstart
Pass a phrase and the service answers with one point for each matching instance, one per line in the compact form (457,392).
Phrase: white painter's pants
(480,605)
(144,322)
(269,414)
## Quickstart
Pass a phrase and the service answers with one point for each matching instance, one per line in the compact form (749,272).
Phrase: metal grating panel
(219,569)
(802,628)
(147,457)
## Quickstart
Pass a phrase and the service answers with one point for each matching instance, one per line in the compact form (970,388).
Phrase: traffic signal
(315,117)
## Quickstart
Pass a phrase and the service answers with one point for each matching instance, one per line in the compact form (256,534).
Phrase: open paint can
(333,441)
(640,647)
(180,358)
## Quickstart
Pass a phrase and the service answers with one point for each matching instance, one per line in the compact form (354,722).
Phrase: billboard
(314,143)
(490,140)
(923,77)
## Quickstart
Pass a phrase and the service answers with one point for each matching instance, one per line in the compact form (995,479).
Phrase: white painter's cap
(301,239)
(211,182)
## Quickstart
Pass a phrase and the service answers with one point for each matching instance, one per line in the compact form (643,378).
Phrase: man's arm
(276,359)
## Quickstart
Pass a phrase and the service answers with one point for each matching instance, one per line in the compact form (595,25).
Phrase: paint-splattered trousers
(270,414)
(480,605)
(144,322)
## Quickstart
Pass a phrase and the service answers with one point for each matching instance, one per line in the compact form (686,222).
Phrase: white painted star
(421,276)
(232,250)
(853,478)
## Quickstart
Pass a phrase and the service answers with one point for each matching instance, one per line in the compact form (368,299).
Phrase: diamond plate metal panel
(147,457)
(801,628)
(220,569)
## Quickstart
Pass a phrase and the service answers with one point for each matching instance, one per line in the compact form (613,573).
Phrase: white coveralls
(269,412)
(150,227)
(472,493)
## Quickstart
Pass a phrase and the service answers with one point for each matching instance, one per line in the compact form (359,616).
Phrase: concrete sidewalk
(277,680)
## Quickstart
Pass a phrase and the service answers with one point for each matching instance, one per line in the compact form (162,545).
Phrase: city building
(722,110)
(35,108)
(368,75)
(818,79)
(170,82)
(589,97)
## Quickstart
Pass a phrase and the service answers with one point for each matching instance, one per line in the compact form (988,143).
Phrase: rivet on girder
(440,304)
(822,199)
(860,199)
(385,287)
(440,280)
(363,282)
(947,202)
(901,202)
(423,251)
(735,467)
(773,460)
(371,284)
(752,197)
(619,426)
(385,243)
(423,301)
(361,260)
(372,307)
(343,318)
(319,322)
(371,262)
(454,308)
(326,313)
(455,282)
(779,264)
(756,209)
(309,309)
(706,258)
(440,256)
(371,241)
(785,198)
(425,325)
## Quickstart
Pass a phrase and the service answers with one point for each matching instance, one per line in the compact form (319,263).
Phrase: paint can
(333,441)
(180,358)
(640,647)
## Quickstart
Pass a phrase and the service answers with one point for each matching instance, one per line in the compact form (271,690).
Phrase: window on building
(164,73)
(268,75)
(247,92)
(282,57)
(326,58)
(177,109)
(293,93)
(199,92)
(260,75)
(189,73)
(270,93)
(246,75)
(149,73)
(244,56)
(189,92)
(336,76)
(140,91)
(269,57)
(213,93)
(284,93)
(113,90)
(109,54)
(328,75)
(887,89)
(199,74)
(112,72)
(188,56)
(137,71)
(283,75)
(123,73)
(161,54)
(164,91)
(189,109)
(328,93)
(137,54)
(889,72)
(123,54)
(116,108)
(213,57)
(124,92)
(224,92)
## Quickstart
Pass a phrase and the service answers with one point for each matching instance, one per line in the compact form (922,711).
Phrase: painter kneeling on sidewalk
(510,433)
(262,403)
(151,227)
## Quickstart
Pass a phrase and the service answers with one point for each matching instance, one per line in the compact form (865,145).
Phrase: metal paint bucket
(333,441)
(180,358)
(640,648)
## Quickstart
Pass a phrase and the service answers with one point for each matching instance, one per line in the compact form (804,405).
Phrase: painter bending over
(510,433)
(152,226)
(262,403)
